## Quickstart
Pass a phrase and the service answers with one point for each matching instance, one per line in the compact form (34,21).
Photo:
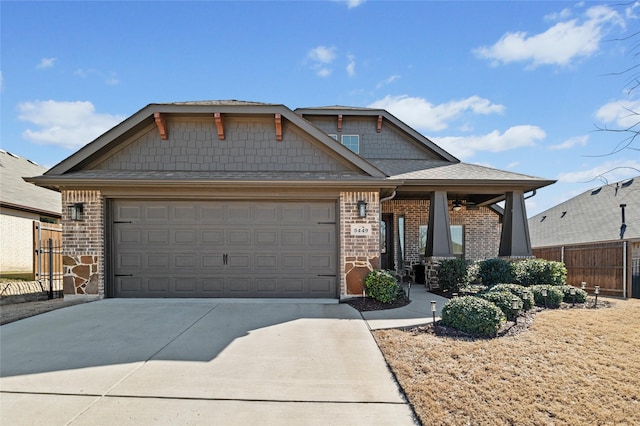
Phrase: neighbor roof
(17,194)
(592,216)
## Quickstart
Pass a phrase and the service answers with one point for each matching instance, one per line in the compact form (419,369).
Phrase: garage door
(224,249)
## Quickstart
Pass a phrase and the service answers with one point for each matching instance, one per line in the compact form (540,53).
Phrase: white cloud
(66,124)
(513,165)
(609,171)
(571,142)
(322,54)
(351,67)
(351,3)
(388,80)
(622,113)
(46,63)
(421,114)
(559,45)
(320,58)
(109,78)
(515,137)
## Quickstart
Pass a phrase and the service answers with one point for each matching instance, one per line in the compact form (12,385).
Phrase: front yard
(572,367)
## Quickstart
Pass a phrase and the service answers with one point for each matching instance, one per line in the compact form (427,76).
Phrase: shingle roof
(592,216)
(14,191)
(443,170)
(219,102)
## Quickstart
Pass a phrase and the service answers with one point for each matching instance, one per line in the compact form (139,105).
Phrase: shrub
(503,299)
(539,271)
(473,315)
(580,296)
(382,286)
(554,295)
(517,290)
(452,273)
(473,273)
(494,271)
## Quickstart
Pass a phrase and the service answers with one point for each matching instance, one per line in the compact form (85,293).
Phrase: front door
(386,242)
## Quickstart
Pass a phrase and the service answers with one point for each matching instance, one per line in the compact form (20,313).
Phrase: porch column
(514,241)
(439,231)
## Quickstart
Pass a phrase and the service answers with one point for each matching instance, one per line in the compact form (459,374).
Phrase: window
(333,136)
(457,239)
(352,142)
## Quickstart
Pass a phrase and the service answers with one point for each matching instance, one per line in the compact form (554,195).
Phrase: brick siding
(83,254)
(481,228)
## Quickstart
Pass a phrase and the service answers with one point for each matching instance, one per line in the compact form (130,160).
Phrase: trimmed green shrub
(452,274)
(494,271)
(382,286)
(539,271)
(473,315)
(554,295)
(503,300)
(522,292)
(580,296)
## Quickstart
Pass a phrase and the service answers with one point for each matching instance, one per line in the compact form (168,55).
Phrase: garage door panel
(224,249)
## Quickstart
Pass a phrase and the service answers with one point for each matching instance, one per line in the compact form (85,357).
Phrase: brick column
(359,240)
(83,242)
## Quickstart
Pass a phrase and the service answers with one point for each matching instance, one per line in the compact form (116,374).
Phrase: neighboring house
(20,205)
(242,199)
(597,235)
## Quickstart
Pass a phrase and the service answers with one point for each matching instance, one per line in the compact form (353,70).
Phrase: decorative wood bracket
(278,127)
(161,122)
(379,127)
(219,125)
(339,122)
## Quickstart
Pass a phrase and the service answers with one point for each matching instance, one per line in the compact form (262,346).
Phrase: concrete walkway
(187,362)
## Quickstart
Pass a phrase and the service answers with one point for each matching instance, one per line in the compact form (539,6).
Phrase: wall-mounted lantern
(457,205)
(76,211)
(362,208)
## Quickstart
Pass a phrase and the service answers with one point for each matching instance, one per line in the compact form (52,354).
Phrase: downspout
(389,198)
(532,194)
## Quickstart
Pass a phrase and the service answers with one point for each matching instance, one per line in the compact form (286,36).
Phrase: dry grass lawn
(572,367)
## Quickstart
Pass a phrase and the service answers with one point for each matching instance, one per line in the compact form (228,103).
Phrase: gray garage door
(224,249)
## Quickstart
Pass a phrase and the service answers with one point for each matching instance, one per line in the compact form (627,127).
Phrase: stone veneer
(83,257)
(359,254)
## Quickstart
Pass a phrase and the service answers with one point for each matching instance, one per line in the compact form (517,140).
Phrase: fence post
(50,268)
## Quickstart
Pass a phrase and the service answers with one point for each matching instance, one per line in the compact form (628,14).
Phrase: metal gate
(635,278)
(48,260)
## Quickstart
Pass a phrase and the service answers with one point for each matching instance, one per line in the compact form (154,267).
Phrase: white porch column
(514,241)
(439,231)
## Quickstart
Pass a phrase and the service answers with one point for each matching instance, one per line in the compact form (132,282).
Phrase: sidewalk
(418,312)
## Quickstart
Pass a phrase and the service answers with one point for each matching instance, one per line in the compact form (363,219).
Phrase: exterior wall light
(76,211)
(457,205)
(362,208)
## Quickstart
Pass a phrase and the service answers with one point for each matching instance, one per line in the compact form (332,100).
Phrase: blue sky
(519,86)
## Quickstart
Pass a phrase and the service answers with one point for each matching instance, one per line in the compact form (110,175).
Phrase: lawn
(572,367)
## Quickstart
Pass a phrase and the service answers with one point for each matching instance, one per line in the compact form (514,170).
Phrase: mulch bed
(364,304)
(510,328)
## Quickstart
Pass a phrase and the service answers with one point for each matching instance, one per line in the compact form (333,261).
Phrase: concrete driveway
(196,362)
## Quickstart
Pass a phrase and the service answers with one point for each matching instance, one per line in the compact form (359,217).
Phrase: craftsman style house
(242,199)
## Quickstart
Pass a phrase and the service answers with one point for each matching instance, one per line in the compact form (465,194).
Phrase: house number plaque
(361,229)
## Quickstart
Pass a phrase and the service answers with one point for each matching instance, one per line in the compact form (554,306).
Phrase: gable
(388,143)
(249,145)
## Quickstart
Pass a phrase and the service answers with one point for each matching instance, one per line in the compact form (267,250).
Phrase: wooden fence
(598,264)
(47,257)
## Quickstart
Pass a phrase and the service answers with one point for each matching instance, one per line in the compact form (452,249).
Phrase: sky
(520,86)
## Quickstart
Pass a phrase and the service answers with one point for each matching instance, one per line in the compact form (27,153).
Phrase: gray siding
(248,146)
(389,143)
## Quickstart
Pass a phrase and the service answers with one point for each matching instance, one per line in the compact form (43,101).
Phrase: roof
(18,194)
(593,216)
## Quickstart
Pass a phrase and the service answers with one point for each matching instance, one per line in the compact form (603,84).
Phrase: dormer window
(352,142)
